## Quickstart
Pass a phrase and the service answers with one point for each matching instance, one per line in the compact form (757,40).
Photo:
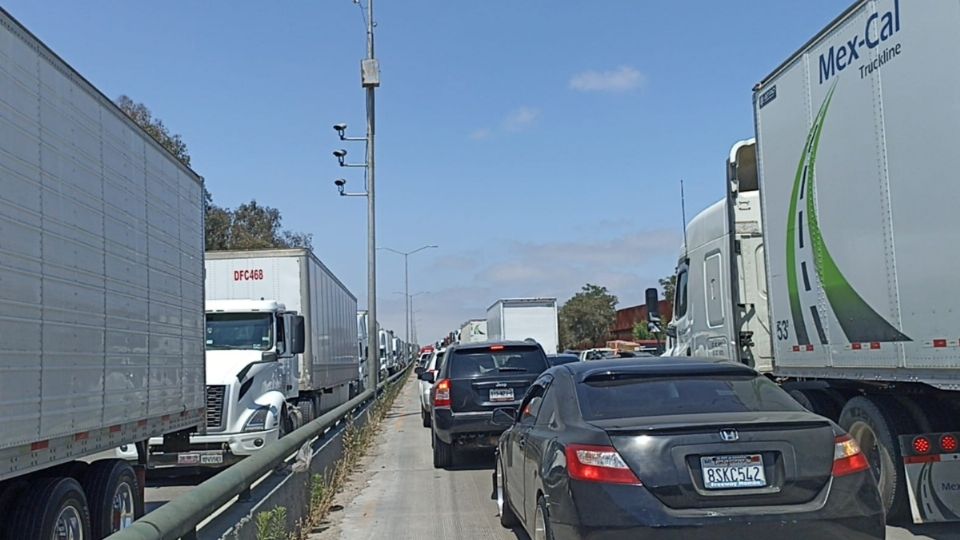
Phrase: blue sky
(539,143)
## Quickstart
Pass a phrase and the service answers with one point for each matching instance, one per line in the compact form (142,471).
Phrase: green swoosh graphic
(859,321)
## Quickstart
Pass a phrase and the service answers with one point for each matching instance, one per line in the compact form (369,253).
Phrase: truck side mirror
(297,335)
(653,305)
(672,331)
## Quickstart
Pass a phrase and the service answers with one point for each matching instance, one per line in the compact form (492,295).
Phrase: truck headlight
(258,420)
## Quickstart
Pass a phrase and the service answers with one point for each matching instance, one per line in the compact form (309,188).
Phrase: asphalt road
(400,495)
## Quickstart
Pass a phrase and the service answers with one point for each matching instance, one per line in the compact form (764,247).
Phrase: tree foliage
(585,319)
(669,287)
(641,331)
(249,226)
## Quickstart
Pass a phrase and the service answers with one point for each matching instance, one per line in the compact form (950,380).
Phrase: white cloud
(481,134)
(622,79)
(515,121)
(520,119)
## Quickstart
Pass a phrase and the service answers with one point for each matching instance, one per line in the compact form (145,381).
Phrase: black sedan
(677,448)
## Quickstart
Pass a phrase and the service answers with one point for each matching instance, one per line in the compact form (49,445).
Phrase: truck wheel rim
(539,526)
(123,510)
(867,439)
(69,526)
(499,488)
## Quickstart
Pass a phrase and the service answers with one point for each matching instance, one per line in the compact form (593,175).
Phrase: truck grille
(215,406)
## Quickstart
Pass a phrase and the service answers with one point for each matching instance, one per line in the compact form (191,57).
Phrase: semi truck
(281,342)
(101,298)
(473,331)
(518,319)
(830,264)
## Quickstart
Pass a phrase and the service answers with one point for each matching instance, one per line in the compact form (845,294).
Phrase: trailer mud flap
(933,478)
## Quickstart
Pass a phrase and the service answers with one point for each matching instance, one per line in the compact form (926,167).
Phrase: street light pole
(370,79)
(406,281)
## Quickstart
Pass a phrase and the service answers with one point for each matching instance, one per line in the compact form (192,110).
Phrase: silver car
(432,365)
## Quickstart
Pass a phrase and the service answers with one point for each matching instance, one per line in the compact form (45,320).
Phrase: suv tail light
(598,464)
(441,394)
(847,457)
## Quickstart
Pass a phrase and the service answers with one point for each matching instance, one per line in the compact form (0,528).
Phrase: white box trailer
(473,331)
(101,296)
(517,319)
(830,264)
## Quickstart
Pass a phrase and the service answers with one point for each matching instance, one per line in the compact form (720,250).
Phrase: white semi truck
(101,298)
(281,341)
(831,263)
(517,319)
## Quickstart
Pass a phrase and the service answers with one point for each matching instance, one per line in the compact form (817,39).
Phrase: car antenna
(683,216)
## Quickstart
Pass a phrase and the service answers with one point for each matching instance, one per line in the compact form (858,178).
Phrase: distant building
(628,317)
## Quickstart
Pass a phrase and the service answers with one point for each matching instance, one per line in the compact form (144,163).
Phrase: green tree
(250,226)
(641,331)
(585,319)
(669,287)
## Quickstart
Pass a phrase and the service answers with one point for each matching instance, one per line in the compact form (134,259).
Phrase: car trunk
(486,393)
(713,460)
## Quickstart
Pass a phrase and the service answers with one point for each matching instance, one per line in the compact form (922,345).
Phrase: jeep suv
(475,380)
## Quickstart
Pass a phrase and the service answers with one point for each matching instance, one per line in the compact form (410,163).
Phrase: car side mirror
(504,417)
(426,376)
(418,370)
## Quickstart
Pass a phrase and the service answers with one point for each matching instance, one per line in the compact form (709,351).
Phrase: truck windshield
(239,331)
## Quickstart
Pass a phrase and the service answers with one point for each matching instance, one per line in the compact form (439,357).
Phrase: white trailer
(830,263)
(524,318)
(101,297)
(473,331)
(281,340)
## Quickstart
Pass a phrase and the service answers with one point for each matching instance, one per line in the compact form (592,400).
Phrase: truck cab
(720,304)
(253,350)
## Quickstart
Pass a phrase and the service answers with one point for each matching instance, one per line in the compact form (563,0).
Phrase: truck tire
(442,453)
(875,423)
(114,496)
(307,410)
(50,505)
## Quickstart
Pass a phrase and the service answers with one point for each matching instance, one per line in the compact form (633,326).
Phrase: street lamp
(406,279)
(370,81)
(410,310)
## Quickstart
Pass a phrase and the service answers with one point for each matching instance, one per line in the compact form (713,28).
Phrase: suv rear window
(637,397)
(470,363)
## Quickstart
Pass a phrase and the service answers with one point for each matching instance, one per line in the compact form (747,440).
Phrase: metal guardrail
(180,517)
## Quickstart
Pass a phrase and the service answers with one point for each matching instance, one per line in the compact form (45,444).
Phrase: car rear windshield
(471,363)
(635,397)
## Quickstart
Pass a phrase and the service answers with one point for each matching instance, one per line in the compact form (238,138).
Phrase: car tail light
(847,457)
(921,445)
(598,464)
(948,443)
(441,394)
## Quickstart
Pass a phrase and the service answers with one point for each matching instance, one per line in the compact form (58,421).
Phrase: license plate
(188,459)
(211,459)
(501,394)
(732,472)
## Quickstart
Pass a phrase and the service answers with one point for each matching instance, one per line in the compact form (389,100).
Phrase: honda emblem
(729,435)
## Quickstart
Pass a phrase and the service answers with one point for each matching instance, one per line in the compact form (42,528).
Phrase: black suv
(476,379)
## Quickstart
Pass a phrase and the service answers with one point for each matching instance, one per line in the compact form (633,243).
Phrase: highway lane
(399,495)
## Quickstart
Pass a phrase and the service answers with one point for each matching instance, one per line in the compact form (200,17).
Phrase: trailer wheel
(114,494)
(875,425)
(52,508)
(307,409)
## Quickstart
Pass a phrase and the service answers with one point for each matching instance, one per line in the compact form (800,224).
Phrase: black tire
(114,496)
(307,410)
(875,423)
(542,508)
(817,402)
(46,503)
(425,416)
(442,453)
(508,518)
